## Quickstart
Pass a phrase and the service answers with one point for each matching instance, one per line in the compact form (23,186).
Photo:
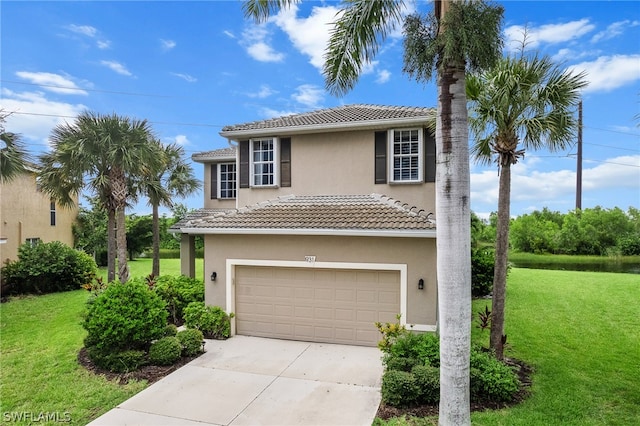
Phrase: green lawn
(141,267)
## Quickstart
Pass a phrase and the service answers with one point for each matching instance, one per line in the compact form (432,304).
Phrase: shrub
(212,321)
(170,330)
(178,292)
(427,380)
(118,362)
(191,341)
(424,347)
(124,316)
(47,268)
(482,265)
(399,388)
(491,380)
(165,351)
(400,363)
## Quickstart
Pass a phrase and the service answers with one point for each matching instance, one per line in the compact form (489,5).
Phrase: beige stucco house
(27,216)
(320,224)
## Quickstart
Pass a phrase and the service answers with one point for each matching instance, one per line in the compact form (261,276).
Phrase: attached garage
(332,305)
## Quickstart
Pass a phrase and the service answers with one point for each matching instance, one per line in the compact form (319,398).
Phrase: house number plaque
(310,259)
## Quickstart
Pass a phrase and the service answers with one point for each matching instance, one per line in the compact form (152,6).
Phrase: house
(27,215)
(318,225)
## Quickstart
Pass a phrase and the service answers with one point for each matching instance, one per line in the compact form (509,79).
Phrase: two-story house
(28,216)
(318,225)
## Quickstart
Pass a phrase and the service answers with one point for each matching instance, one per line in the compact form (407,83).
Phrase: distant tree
(89,231)
(139,234)
(524,102)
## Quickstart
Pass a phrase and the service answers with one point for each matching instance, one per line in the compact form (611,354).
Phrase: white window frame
(235,181)
(392,155)
(275,161)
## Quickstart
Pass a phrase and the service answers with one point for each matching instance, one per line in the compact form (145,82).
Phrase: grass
(580,332)
(40,337)
(141,267)
(568,258)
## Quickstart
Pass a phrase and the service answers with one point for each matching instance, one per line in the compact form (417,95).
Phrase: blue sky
(191,68)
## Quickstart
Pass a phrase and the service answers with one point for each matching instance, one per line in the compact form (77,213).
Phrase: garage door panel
(323,305)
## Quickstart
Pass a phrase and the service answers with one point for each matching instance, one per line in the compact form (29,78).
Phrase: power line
(612,147)
(153,122)
(53,86)
(612,131)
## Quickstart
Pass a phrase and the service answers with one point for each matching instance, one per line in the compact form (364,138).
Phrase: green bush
(47,268)
(399,388)
(178,292)
(170,330)
(482,265)
(424,347)
(400,363)
(118,362)
(212,321)
(491,380)
(124,316)
(165,351)
(428,382)
(191,341)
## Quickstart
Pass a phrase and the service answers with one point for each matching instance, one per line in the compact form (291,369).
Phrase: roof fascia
(428,233)
(213,159)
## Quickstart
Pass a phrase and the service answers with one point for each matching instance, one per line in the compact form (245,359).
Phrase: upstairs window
(406,155)
(227,180)
(263,162)
(52,213)
(33,241)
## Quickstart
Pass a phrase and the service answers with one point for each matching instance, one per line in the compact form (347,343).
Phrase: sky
(192,67)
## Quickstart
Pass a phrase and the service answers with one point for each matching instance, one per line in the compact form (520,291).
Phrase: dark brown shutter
(380,157)
(285,162)
(243,151)
(214,181)
(429,157)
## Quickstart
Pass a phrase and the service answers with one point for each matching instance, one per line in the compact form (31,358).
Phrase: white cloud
(264,92)
(185,77)
(52,82)
(86,30)
(309,95)
(34,116)
(383,76)
(229,34)
(103,44)
(567,54)
(117,67)
(550,33)
(617,172)
(609,72)
(614,30)
(255,40)
(181,140)
(271,113)
(167,44)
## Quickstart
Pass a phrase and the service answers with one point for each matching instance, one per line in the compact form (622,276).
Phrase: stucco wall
(25,213)
(417,253)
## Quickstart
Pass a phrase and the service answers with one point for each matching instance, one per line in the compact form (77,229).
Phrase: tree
(139,234)
(173,178)
(525,101)
(89,230)
(105,154)
(456,35)
(13,154)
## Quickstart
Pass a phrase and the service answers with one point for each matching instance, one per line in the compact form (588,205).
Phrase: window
(52,213)
(33,241)
(405,155)
(227,180)
(263,162)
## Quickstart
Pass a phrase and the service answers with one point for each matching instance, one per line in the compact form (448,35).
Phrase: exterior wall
(216,203)
(419,254)
(339,163)
(25,213)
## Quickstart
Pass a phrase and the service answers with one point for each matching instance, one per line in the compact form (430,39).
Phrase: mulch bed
(523,370)
(150,373)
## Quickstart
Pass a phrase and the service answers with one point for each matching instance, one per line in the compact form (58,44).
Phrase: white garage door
(317,305)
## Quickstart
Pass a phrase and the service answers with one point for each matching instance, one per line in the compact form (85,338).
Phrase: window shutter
(380,163)
(214,181)
(285,162)
(429,157)
(243,151)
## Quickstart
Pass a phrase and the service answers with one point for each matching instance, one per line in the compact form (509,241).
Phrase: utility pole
(579,166)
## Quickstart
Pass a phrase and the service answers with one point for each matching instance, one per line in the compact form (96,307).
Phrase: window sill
(406,182)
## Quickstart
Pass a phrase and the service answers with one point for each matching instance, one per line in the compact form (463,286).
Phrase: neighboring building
(29,216)
(301,243)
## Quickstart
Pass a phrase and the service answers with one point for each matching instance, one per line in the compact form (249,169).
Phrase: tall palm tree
(522,103)
(13,154)
(102,153)
(174,178)
(456,35)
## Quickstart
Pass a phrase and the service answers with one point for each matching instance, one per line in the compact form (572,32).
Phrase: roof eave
(331,127)
(397,233)
(212,159)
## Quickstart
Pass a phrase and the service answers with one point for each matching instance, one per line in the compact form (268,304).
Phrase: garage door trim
(232,263)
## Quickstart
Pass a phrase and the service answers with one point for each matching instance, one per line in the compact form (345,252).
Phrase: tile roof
(317,213)
(223,153)
(343,115)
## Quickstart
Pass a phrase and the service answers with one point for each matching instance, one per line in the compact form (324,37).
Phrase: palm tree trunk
(454,247)
(155,268)
(497,338)
(121,241)
(111,245)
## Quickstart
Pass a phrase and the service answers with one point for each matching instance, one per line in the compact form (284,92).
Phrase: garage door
(318,305)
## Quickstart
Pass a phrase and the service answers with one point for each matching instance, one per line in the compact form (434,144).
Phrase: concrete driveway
(256,381)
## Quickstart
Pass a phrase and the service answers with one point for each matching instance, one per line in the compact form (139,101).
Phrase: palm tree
(103,153)
(455,36)
(13,155)
(521,103)
(174,178)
